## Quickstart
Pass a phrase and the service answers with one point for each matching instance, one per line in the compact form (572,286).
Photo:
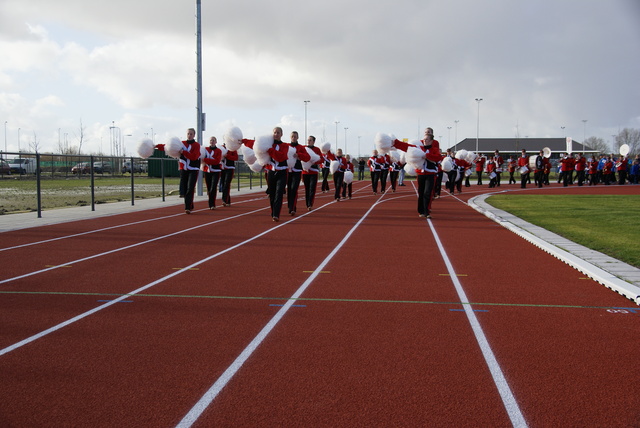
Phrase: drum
(524,170)
(493,175)
(467,172)
(532,162)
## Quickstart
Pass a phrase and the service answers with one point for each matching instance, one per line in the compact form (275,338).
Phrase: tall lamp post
(449,128)
(456,136)
(18,140)
(478,127)
(5,135)
(585,130)
(345,141)
(305,120)
(337,135)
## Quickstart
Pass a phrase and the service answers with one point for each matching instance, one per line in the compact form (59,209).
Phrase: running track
(357,313)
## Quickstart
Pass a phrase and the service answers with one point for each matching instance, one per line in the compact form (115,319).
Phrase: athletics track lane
(148,336)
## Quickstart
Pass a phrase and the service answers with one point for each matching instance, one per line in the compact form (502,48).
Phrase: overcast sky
(393,67)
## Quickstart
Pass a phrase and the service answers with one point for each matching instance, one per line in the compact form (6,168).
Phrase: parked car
(102,168)
(81,168)
(5,169)
(138,167)
(23,166)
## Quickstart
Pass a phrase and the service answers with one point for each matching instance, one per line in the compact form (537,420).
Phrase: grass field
(607,223)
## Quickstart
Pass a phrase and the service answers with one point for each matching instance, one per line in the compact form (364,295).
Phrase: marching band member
(462,165)
(511,166)
(593,171)
(384,172)
(607,170)
(211,159)
(347,188)
(394,171)
(325,175)
(480,166)
(226,176)
(338,175)
(567,164)
(541,161)
(294,176)
(621,167)
(523,163)
(427,172)
(375,166)
(452,174)
(310,176)
(491,172)
(580,168)
(499,162)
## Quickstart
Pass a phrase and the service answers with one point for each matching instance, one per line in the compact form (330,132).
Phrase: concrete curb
(614,274)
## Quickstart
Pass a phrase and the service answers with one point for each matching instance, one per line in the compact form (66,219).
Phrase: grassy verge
(606,223)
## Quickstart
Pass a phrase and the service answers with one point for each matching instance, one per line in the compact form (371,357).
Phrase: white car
(23,166)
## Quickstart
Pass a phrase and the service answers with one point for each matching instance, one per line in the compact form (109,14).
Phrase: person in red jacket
(580,168)
(347,188)
(566,169)
(338,176)
(480,165)
(375,163)
(427,174)
(212,158)
(310,176)
(277,173)
(607,171)
(592,165)
(226,176)
(621,167)
(294,176)
(491,172)
(523,164)
(499,164)
(512,169)
(189,166)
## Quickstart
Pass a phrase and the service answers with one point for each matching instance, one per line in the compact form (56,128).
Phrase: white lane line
(84,259)
(103,229)
(146,287)
(509,401)
(196,411)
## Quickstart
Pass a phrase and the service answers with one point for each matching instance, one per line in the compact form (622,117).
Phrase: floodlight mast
(200,126)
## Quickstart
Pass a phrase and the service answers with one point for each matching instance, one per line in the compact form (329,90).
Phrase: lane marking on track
(448,274)
(151,284)
(508,399)
(109,228)
(196,411)
(130,246)
(311,271)
(177,268)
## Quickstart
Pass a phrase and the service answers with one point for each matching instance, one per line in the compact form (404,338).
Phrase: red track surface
(378,337)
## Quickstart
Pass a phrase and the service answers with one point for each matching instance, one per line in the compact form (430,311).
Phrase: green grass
(609,224)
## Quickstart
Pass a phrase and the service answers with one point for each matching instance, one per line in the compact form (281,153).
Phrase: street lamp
(345,140)
(449,128)
(585,130)
(359,154)
(456,137)
(337,135)
(5,135)
(305,120)
(18,140)
(478,127)
(563,133)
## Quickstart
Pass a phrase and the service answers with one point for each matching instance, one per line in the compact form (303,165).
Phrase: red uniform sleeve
(248,143)
(401,145)
(302,153)
(280,155)
(330,156)
(215,159)
(160,147)
(193,153)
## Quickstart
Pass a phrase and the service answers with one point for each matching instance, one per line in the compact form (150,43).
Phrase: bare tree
(80,137)
(631,137)
(35,144)
(597,144)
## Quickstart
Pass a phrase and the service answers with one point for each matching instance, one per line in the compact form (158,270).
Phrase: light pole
(478,127)
(456,137)
(359,154)
(305,120)
(153,138)
(563,133)
(5,135)
(337,135)
(18,140)
(585,130)
(345,141)
(449,128)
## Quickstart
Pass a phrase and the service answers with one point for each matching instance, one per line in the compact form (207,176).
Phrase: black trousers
(293,183)
(426,185)
(310,184)
(211,179)
(276,184)
(188,180)
(226,177)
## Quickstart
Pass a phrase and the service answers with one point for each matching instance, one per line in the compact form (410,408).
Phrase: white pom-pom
(248,155)
(291,157)
(348,177)
(394,155)
(415,158)
(471,157)
(255,167)
(233,138)
(325,147)
(260,148)
(145,148)
(173,147)
(383,142)
(447,164)
(333,166)
(461,154)
(314,159)
(445,178)
(409,170)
